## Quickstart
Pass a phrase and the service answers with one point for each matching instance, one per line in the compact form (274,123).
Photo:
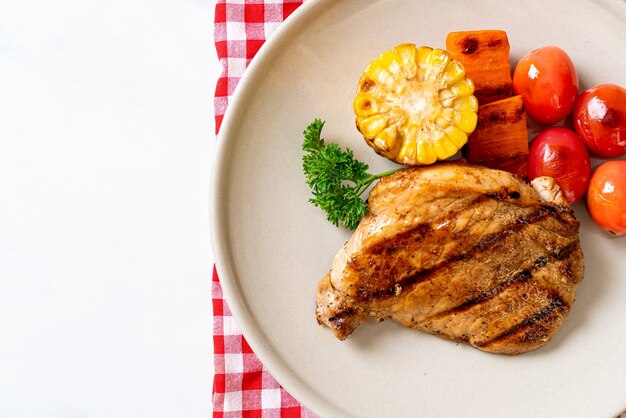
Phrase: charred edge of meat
(540,213)
(504,195)
(340,317)
(343,322)
(345,318)
(563,214)
(556,304)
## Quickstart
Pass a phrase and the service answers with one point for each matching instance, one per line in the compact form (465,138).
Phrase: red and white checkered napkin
(242,386)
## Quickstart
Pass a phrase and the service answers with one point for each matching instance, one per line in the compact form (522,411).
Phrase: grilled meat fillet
(464,252)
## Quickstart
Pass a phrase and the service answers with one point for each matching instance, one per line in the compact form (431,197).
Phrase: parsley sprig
(336,178)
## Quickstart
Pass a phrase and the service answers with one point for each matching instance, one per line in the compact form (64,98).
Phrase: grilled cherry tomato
(600,120)
(606,199)
(548,83)
(560,154)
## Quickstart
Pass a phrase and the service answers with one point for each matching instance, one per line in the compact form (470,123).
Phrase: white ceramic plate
(272,246)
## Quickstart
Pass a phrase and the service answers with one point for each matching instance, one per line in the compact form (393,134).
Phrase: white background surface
(106,140)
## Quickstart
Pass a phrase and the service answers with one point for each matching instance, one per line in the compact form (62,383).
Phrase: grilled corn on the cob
(414,105)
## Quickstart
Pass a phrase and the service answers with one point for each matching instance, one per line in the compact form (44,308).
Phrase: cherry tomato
(560,154)
(548,83)
(600,120)
(606,199)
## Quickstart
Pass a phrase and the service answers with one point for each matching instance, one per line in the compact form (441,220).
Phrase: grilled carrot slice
(485,56)
(501,137)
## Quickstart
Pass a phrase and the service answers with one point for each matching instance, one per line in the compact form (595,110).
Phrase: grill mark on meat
(383,283)
(565,252)
(556,304)
(414,234)
(341,316)
(423,229)
(421,276)
(522,276)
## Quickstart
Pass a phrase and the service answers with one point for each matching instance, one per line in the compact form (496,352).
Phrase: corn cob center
(415,105)
(421,101)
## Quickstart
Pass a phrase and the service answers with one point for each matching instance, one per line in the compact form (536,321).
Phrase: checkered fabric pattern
(242,387)
(241,27)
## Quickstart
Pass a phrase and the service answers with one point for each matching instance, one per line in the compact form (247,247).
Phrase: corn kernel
(426,152)
(445,148)
(364,106)
(408,152)
(389,61)
(407,56)
(446,97)
(379,74)
(422,56)
(383,107)
(465,87)
(465,120)
(437,61)
(386,139)
(447,113)
(372,68)
(442,122)
(453,72)
(410,131)
(387,58)
(469,103)
(371,126)
(456,135)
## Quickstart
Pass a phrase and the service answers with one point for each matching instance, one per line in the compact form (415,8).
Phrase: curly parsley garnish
(336,178)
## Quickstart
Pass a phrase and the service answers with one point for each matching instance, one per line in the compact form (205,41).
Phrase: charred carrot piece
(485,56)
(501,137)
(517,164)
